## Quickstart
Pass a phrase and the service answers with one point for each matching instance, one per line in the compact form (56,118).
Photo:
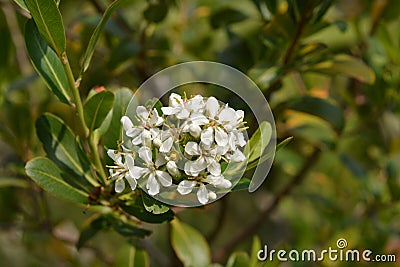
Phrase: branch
(253,227)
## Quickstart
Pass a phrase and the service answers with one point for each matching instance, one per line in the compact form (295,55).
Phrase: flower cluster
(185,146)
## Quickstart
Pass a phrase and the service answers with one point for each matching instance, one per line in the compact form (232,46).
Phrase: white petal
(214,168)
(175,100)
(240,141)
(232,141)
(136,135)
(170,110)
(129,161)
(225,184)
(132,182)
(239,115)
(153,188)
(196,103)
(145,154)
(207,136)
(142,112)
(146,138)
(126,123)
(137,172)
(183,114)
(115,155)
(119,185)
(155,120)
(185,187)
(164,178)
(227,116)
(166,145)
(160,160)
(238,156)
(193,168)
(212,107)
(192,148)
(198,119)
(221,137)
(202,194)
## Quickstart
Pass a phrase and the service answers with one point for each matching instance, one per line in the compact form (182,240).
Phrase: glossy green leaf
(156,11)
(346,65)
(321,108)
(96,109)
(97,33)
(21,4)
(113,135)
(189,245)
(49,22)
(129,230)
(238,259)
(132,256)
(259,141)
(53,180)
(152,205)
(46,63)
(136,208)
(61,147)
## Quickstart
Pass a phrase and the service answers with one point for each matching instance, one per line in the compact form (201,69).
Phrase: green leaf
(152,205)
(49,22)
(96,34)
(189,245)
(321,108)
(156,11)
(129,230)
(226,16)
(61,147)
(92,226)
(238,259)
(131,256)
(255,248)
(13,182)
(21,4)
(96,109)
(46,63)
(348,66)
(259,141)
(136,208)
(113,135)
(53,180)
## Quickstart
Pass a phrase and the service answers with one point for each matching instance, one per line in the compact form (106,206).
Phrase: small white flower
(150,169)
(146,131)
(122,170)
(203,195)
(182,108)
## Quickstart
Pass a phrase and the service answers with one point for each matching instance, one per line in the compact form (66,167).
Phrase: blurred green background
(330,71)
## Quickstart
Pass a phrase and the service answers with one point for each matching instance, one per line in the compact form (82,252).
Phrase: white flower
(203,195)
(150,169)
(182,108)
(122,170)
(207,159)
(193,124)
(146,131)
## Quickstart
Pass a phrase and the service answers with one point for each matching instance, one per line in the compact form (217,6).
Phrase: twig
(252,228)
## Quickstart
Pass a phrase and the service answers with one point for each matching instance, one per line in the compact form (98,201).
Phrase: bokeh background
(330,71)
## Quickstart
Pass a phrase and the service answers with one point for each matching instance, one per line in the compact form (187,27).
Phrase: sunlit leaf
(46,63)
(21,4)
(49,22)
(60,145)
(96,109)
(53,180)
(259,141)
(189,244)
(152,205)
(321,108)
(136,208)
(97,33)
(346,65)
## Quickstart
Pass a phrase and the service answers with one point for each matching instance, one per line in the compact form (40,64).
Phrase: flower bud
(172,168)
(157,142)
(146,138)
(195,130)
